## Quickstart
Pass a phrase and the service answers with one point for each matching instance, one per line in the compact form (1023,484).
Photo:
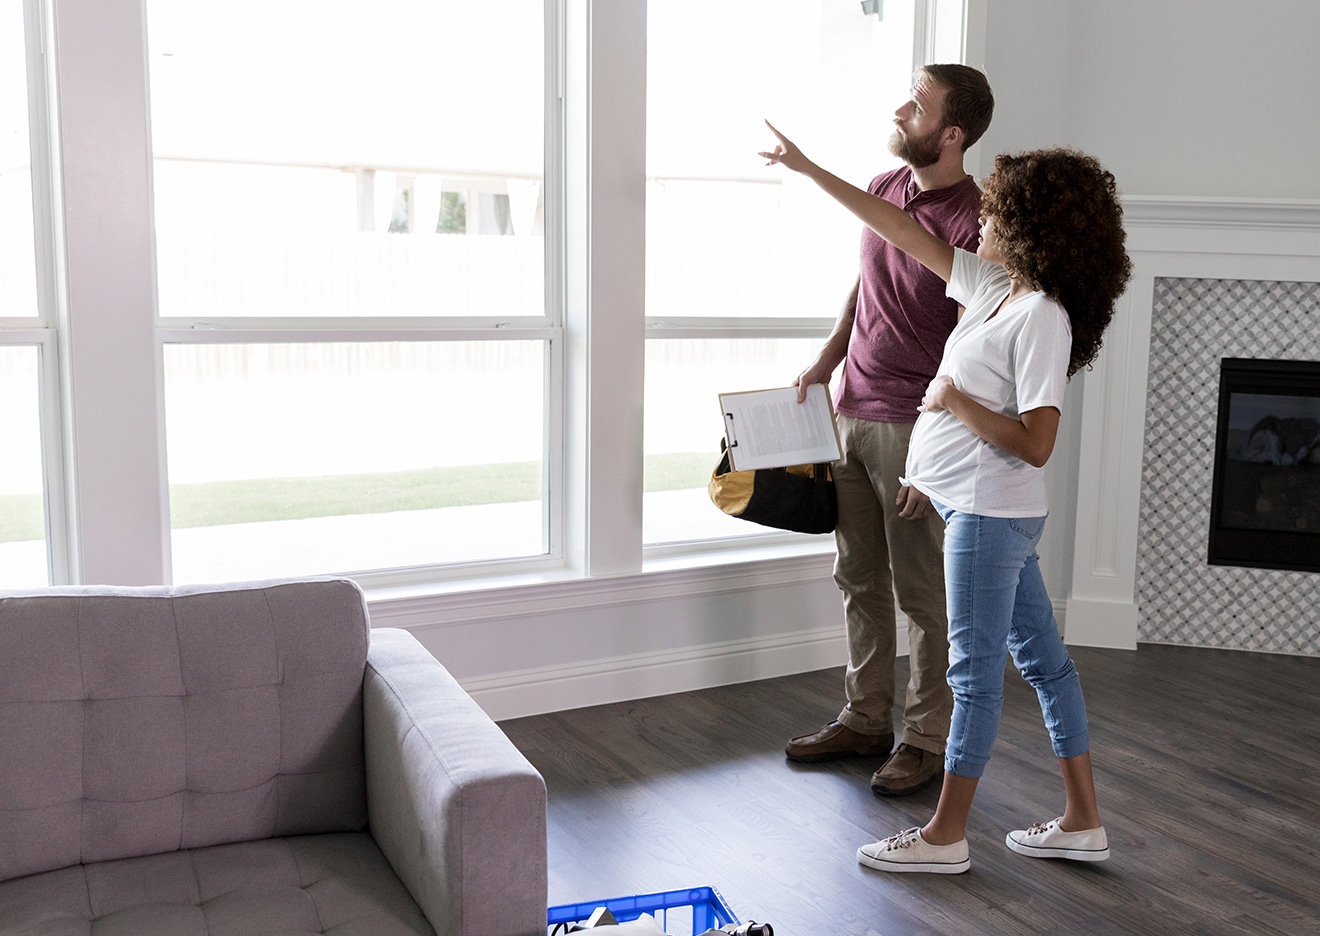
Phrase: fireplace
(1265,495)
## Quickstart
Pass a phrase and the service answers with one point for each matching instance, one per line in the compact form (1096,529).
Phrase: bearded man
(890,337)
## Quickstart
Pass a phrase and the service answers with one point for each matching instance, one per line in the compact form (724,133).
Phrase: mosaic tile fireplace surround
(1212,278)
(1181,598)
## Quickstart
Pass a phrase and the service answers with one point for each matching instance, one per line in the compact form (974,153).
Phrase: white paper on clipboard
(771,429)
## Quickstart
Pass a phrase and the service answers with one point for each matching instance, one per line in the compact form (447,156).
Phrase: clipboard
(771,429)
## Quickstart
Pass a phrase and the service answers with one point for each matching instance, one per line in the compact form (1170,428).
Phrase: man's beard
(917,152)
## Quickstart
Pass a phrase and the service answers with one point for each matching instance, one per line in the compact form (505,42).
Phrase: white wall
(1176,97)
(1029,112)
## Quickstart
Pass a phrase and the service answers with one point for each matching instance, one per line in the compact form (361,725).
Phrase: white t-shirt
(1012,363)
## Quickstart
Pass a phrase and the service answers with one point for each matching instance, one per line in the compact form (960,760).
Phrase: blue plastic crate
(703,907)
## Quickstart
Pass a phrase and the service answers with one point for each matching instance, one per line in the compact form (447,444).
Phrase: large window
(349,202)
(747,266)
(380,299)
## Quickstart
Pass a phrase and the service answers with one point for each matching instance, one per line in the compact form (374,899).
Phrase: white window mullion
(605,147)
(51,340)
(58,558)
(112,362)
(967,21)
(923,33)
(617,213)
(554,477)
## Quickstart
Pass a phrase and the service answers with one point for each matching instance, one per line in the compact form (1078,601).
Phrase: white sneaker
(908,851)
(1047,840)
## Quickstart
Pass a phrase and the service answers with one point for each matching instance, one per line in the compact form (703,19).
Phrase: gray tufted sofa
(251,759)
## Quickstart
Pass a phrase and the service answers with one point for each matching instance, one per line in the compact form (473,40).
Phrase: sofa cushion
(146,720)
(338,883)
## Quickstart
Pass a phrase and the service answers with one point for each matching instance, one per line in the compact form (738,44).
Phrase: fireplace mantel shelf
(1255,213)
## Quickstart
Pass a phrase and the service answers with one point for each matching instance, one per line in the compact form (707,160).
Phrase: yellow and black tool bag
(800,498)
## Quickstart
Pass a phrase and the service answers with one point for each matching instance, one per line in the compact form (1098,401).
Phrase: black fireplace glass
(1265,498)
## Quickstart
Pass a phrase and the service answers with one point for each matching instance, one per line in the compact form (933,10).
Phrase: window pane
(18,268)
(22,508)
(319,458)
(683,427)
(386,161)
(727,235)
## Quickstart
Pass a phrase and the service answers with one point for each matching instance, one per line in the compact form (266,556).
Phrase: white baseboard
(639,676)
(520,693)
(1094,623)
(604,680)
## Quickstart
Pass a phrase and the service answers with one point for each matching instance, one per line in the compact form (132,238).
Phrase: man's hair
(968,101)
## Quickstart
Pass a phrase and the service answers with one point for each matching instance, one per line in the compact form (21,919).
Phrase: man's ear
(953,136)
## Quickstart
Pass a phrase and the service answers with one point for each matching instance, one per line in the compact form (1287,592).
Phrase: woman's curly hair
(1060,223)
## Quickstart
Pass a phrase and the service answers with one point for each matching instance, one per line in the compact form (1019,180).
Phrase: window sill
(664,574)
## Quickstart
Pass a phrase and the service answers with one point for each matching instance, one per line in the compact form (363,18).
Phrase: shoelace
(1040,827)
(905,839)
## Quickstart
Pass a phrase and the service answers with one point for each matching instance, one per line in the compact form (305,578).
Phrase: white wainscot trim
(1190,238)
(539,647)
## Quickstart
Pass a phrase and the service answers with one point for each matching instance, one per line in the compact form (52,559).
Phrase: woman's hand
(937,394)
(1030,437)
(785,153)
(886,219)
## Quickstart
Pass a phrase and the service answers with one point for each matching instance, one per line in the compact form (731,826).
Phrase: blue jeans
(998,605)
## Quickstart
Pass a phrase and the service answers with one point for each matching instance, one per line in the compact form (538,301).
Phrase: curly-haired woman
(1038,294)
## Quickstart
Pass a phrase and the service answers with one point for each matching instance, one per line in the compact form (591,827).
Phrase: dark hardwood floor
(1206,767)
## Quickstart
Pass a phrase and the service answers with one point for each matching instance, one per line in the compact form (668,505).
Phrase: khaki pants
(883,557)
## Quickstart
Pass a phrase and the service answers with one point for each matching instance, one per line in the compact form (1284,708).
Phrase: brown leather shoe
(907,771)
(834,741)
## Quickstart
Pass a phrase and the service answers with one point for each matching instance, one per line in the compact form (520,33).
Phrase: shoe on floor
(834,741)
(907,771)
(908,851)
(1047,840)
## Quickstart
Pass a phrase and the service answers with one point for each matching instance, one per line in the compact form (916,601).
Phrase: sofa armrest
(457,810)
